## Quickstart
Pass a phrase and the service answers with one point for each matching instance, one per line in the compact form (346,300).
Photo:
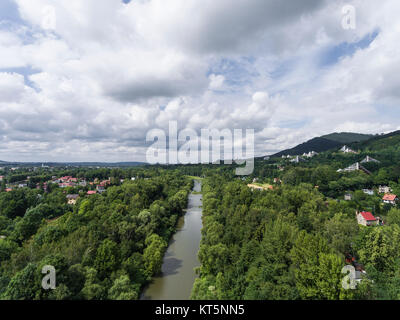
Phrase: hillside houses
(100,188)
(390,199)
(310,154)
(260,187)
(346,149)
(370,159)
(297,159)
(354,167)
(348,197)
(384,189)
(72,198)
(366,219)
(369,192)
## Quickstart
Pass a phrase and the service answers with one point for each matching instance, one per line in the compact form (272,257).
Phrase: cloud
(11,87)
(90,86)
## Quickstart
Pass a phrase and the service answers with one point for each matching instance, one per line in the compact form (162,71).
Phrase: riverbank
(177,274)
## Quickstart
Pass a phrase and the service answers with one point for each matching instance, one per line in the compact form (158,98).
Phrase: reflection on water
(177,277)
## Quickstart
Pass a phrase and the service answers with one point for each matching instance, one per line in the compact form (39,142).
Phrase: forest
(289,244)
(106,246)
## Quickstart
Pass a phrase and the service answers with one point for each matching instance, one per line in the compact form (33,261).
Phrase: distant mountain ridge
(347,137)
(79,164)
(325,143)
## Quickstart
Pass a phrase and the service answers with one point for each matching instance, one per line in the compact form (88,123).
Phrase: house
(105,182)
(8,190)
(354,167)
(1,178)
(390,198)
(67,184)
(310,154)
(83,183)
(72,198)
(366,218)
(91,192)
(369,159)
(297,159)
(346,149)
(261,188)
(385,189)
(22,185)
(100,188)
(370,192)
(348,197)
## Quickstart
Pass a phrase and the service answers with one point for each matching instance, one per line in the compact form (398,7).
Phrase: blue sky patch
(332,55)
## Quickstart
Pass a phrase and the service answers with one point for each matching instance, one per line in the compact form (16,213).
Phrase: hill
(347,137)
(325,143)
(379,142)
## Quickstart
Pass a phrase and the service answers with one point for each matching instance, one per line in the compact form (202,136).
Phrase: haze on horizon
(86,80)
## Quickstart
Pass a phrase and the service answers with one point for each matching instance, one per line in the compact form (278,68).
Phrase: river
(177,274)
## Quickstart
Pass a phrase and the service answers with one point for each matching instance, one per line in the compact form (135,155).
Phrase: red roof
(91,192)
(368,216)
(389,197)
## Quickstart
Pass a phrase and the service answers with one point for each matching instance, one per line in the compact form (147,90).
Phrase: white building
(369,159)
(369,192)
(385,189)
(346,149)
(310,154)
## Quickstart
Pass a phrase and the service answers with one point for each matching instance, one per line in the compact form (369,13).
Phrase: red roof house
(91,192)
(366,218)
(390,198)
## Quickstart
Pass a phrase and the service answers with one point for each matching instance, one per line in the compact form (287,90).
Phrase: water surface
(177,277)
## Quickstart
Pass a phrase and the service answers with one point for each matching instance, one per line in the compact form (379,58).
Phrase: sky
(87,80)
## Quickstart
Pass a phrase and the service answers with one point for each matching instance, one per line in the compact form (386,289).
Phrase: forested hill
(347,137)
(379,142)
(325,143)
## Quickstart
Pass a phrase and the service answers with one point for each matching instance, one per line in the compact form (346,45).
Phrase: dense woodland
(291,242)
(105,247)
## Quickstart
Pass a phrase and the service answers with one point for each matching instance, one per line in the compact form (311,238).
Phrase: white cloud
(11,87)
(216,81)
(109,72)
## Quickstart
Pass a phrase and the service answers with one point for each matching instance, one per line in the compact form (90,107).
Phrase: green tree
(25,285)
(153,254)
(107,258)
(122,289)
